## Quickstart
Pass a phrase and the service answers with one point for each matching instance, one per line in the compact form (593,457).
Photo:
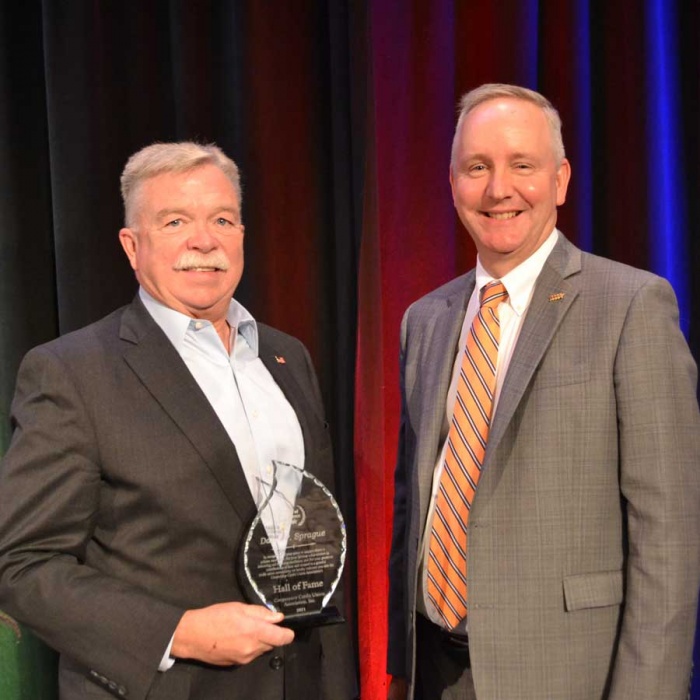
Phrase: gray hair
(492,91)
(159,158)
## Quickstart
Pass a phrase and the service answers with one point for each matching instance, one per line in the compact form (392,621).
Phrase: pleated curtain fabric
(466,446)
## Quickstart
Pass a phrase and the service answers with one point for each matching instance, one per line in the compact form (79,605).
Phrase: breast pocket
(561,369)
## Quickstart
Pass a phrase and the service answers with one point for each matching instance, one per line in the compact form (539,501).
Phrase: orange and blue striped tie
(466,446)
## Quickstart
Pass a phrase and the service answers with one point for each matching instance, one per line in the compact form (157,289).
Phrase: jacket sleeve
(659,448)
(50,483)
(398,623)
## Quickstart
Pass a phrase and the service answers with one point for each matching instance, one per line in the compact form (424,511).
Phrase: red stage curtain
(588,58)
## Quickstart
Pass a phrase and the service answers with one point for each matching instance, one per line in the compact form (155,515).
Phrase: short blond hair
(492,91)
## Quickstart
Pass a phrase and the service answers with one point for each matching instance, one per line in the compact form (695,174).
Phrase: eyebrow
(169,211)
(483,156)
(228,210)
(522,154)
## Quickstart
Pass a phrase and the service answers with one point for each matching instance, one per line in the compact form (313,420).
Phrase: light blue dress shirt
(250,405)
(255,413)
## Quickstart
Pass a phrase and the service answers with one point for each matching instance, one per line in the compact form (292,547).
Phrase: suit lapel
(155,361)
(555,290)
(283,373)
(436,367)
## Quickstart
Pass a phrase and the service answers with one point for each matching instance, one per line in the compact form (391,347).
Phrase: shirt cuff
(167,661)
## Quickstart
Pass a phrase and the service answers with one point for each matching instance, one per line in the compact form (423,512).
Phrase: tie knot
(492,294)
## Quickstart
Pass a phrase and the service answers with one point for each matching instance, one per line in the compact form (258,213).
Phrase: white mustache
(191,260)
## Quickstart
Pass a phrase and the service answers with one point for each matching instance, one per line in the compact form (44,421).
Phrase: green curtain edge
(29,667)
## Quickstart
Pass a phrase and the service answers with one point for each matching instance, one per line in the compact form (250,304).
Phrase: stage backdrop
(84,84)
(340,116)
(625,77)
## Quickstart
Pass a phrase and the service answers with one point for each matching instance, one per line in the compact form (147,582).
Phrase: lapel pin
(280,360)
(556,297)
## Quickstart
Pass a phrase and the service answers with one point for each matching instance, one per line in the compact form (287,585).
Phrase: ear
(452,186)
(563,177)
(129,240)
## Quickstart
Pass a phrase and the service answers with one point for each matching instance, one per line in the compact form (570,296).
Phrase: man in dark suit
(547,506)
(141,446)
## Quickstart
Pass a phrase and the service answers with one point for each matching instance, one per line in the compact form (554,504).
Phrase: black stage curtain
(84,84)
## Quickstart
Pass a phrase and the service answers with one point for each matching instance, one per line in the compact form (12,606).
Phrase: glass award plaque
(295,569)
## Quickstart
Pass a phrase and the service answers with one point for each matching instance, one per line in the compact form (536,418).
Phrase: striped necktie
(466,446)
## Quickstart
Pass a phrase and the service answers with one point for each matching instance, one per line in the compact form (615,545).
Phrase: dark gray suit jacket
(584,536)
(123,503)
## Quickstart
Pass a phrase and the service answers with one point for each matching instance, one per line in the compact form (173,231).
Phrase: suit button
(276,663)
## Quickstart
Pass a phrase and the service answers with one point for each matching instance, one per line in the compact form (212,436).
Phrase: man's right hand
(398,689)
(228,633)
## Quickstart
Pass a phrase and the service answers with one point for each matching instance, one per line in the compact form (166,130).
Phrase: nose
(500,184)
(202,238)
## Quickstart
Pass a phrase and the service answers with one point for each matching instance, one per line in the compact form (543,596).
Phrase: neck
(224,332)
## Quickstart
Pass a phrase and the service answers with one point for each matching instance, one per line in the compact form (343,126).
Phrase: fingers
(262,613)
(229,633)
(267,629)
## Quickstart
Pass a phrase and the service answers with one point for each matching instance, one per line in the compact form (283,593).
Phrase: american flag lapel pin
(556,297)
(280,360)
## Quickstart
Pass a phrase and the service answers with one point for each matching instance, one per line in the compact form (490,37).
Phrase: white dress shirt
(520,284)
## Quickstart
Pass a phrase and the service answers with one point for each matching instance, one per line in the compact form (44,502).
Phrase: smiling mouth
(198,268)
(501,215)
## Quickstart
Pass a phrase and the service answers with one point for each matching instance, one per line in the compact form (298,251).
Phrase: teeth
(203,269)
(502,215)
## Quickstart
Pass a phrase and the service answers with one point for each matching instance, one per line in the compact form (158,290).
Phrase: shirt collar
(520,281)
(175,324)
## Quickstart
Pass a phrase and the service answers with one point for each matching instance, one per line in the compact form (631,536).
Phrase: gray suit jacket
(123,503)
(584,535)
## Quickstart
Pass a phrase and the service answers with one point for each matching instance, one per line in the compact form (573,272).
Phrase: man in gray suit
(582,540)
(141,447)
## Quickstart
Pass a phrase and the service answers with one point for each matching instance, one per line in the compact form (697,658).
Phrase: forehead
(503,123)
(206,185)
